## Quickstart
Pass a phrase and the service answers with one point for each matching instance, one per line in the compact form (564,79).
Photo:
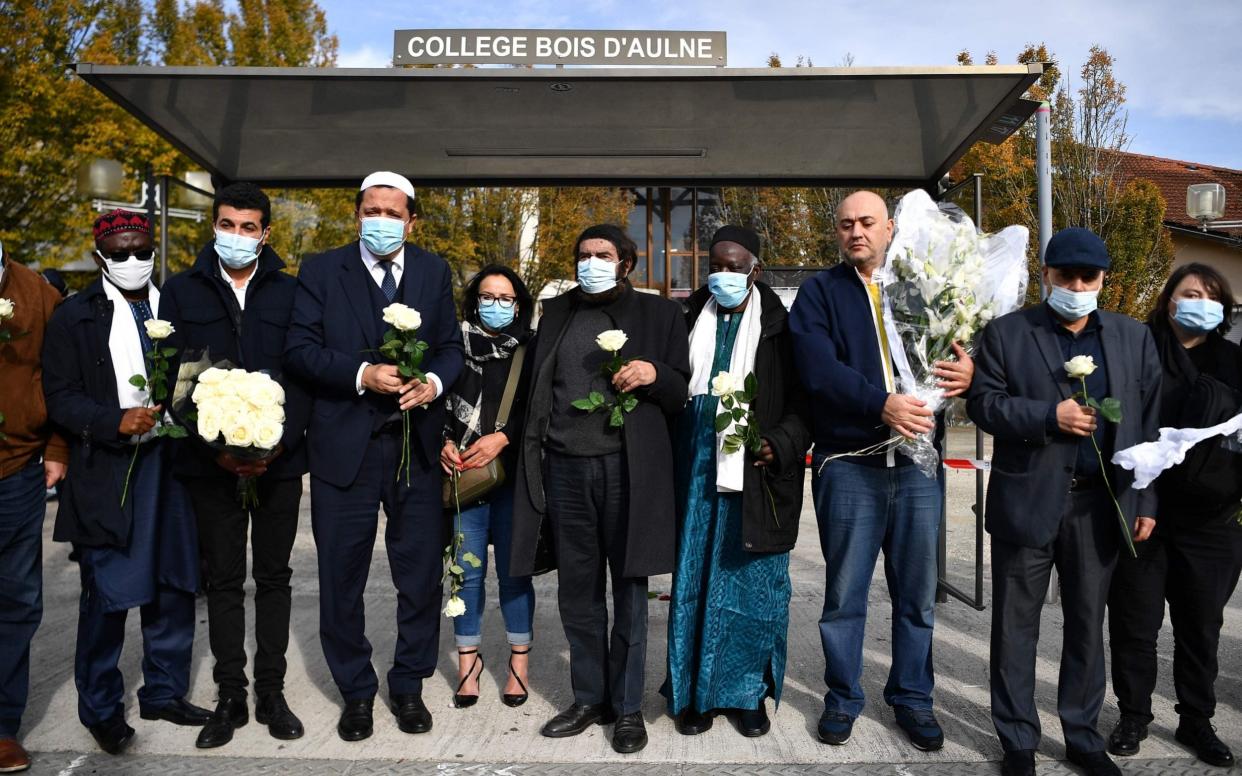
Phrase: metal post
(1043,183)
(163,229)
(979,442)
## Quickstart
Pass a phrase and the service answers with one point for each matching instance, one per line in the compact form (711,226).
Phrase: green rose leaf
(596,398)
(617,419)
(1110,409)
(405,370)
(630,402)
(138,381)
(168,352)
(582,404)
(457,569)
(722,421)
(472,559)
(751,385)
(389,336)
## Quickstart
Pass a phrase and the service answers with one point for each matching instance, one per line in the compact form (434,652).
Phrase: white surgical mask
(1072,305)
(128,275)
(597,275)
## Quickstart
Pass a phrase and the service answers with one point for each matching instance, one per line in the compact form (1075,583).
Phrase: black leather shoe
(1199,735)
(629,735)
(753,723)
(692,723)
(356,721)
(1125,738)
(576,719)
(1019,762)
(1093,763)
(112,735)
(179,712)
(272,710)
(411,713)
(230,714)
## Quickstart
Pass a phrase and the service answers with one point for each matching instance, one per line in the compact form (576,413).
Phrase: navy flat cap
(1076,247)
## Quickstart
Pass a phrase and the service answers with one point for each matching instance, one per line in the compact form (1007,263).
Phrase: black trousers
(588,503)
(222,533)
(1195,569)
(1084,553)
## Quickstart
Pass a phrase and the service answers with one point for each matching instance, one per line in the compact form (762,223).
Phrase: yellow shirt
(886,359)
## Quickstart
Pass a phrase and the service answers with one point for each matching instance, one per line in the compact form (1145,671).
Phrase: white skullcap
(385,178)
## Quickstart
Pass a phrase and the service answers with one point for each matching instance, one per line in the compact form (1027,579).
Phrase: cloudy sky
(1178,60)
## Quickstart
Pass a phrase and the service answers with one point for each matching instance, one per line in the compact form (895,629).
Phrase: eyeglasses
(120,256)
(505,302)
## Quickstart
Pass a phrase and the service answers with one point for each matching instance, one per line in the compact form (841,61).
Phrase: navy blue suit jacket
(1019,378)
(334,328)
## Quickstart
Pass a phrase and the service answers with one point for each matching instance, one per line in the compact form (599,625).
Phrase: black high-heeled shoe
(466,701)
(514,700)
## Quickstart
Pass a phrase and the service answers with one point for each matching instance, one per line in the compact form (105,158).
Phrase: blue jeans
(21,586)
(480,523)
(862,510)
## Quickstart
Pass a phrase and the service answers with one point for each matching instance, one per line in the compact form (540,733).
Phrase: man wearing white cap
(355,439)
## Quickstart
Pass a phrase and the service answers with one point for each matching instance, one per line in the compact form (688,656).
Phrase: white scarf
(730,469)
(125,345)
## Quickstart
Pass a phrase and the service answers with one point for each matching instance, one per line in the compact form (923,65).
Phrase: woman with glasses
(1194,556)
(496,323)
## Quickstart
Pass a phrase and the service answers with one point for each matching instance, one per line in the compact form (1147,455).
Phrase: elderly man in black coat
(606,487)
(1049,500)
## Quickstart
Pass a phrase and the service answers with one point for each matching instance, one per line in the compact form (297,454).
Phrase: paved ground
(491,738)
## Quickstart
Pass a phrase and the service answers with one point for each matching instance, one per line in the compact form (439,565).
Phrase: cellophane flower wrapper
(944,281)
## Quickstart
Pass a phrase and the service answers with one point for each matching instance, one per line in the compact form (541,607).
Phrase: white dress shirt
(376,270)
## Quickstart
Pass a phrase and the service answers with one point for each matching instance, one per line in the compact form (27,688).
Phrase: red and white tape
(968,464)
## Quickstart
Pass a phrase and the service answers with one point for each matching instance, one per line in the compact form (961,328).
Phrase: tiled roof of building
(1173,176)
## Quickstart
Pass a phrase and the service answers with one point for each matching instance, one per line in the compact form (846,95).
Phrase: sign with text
(560,47)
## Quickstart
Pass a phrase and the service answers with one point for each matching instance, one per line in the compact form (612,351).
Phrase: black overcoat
(656,329)
(200,307)
(780,410)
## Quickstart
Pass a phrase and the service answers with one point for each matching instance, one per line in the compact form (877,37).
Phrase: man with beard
(606,487)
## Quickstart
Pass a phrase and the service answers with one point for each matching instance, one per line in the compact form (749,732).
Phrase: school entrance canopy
(301,127)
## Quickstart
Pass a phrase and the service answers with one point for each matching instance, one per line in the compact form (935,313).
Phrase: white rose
(272,413)
(408,319)
(390,312)
(212,376)
(157,329)
(612,340)
(6,309)
(986,313)
(1080,366)
(238,434)
(455,607)
(724,384)
(267,435)
(209,423)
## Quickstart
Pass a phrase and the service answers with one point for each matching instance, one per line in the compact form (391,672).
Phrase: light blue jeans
(483,523)
(862,510)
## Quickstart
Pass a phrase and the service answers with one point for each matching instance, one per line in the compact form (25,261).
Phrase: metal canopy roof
(291,127)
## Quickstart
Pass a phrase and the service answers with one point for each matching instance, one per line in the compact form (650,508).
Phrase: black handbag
(473,485)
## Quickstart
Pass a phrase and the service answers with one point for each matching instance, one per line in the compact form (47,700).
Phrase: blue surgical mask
(596,275)
(382,235)
(494,316)
(235,250)
(729,288)
(1201,316)
(1072,305)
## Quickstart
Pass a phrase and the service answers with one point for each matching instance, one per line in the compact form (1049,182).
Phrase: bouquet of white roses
(238,412)
(944,281)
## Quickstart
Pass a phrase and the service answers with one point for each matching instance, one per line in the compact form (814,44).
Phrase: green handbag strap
(506,399)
